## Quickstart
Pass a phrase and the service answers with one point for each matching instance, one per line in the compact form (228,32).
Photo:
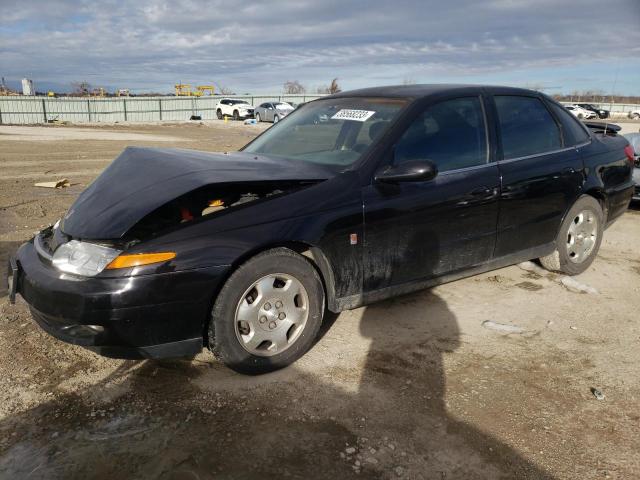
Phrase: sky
(254,47)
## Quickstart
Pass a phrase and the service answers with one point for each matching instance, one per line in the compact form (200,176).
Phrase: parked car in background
(634,114)
(580,112)
(238,109)
(272,111)
(401,188)
(634,141)
(600,112)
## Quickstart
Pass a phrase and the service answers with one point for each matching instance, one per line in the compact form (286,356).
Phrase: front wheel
(236,115)
(276,119)
(268,313)
(579,238)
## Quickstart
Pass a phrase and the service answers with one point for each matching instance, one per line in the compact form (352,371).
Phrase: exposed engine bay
(208,201)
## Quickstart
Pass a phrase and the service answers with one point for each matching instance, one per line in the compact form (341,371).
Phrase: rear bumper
(145,316)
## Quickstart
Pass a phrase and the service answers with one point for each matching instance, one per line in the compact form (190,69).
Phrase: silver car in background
(272,111)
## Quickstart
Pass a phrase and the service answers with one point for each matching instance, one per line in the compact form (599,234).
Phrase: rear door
(420,230)
(542,173)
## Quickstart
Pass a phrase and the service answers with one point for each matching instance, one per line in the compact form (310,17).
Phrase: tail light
(628,151)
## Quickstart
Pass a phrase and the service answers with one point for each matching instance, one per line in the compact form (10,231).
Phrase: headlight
(82,258)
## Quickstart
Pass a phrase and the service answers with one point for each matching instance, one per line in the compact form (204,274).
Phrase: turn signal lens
(137,259)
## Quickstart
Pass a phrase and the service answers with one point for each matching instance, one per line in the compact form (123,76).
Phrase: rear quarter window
(573,132)
(526,126)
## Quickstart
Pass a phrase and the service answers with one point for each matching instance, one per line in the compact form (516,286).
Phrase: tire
(242,340)
(219,114)
(236,115)
(636,116)
(258,117)
(276,119)
(574,252)
(580,116)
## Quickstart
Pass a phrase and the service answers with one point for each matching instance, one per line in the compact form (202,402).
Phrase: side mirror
(411,171)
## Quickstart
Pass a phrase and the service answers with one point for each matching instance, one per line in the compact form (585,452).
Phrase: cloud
(256,46)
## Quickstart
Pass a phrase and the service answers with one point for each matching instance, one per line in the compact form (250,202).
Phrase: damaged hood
(143,179)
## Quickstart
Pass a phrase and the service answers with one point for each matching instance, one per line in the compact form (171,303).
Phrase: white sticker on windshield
(357,115)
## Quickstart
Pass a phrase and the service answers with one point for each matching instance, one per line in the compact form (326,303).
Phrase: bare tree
(332,88)
(224,90)
(81,88)
(293,87)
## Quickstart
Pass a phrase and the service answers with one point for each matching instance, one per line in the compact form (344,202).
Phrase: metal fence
(33,110)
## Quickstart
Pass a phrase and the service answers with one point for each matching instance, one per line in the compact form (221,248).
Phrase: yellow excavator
(184,90)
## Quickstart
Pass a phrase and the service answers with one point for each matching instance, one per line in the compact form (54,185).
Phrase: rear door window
(573,132)
(526,126)
(452,134)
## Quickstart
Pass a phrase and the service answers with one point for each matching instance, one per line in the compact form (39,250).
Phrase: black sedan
(398,189)
(600,112)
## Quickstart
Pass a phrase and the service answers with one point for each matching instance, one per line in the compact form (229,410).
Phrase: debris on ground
(597,393)
(501,327)
(533,267)
(63,183)
(574,285)
(250,121)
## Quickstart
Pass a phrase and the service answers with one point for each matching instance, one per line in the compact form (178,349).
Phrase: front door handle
(485,191)
(480,195)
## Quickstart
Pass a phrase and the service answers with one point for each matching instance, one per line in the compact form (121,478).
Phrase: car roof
(425,90)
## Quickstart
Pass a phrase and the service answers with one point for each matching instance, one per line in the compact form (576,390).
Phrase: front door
(415,231)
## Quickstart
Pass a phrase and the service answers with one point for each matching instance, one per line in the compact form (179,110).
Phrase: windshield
(283,106)
(332,132)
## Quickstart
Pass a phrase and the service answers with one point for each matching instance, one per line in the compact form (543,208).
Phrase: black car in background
(395,190)
(602,113)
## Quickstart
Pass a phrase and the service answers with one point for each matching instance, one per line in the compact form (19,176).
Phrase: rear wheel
(236,115)
(268,313)
(579,238)
(258,117)
(219,114)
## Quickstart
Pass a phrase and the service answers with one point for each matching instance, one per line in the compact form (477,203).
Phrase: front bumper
(145,316)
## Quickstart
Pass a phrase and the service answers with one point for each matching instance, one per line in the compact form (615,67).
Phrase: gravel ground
(488,377)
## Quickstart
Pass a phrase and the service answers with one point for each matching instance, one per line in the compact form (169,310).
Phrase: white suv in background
(634,114)
(581,113)
(231,107)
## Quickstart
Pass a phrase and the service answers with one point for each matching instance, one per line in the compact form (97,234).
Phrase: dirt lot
(416,387)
